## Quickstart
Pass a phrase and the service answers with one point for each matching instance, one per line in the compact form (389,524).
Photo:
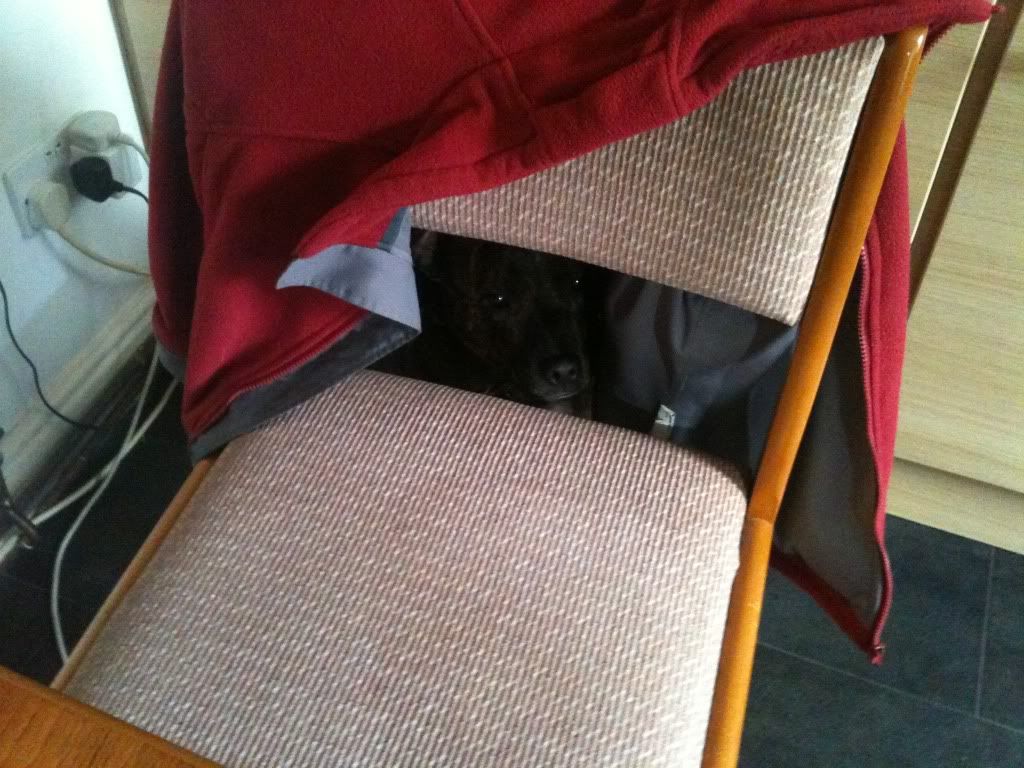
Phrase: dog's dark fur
(506,321)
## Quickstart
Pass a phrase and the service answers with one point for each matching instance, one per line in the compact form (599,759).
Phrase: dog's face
(519,311)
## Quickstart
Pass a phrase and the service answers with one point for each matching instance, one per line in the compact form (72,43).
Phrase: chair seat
(398,574)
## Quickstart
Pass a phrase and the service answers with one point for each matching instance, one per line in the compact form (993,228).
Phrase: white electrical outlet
(50,161)
(43,162)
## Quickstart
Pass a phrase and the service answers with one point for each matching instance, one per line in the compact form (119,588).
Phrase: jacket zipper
(877,647)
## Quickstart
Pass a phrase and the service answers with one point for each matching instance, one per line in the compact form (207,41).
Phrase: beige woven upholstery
(399,574)
(731,202)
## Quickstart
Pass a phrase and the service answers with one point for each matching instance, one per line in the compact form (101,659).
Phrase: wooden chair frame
(865,171)
(868,161)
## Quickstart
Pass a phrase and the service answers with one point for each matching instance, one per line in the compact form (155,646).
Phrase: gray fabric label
(663,423)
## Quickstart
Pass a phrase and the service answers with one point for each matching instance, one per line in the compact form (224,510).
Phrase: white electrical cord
(131,141)
(51,512)
(100,482)
(50,208)
(85,250)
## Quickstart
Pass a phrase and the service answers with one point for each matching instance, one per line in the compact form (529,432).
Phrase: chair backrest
(731,202)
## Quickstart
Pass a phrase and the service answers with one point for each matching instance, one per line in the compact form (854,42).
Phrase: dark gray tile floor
(1002,684)
(950,694)
(803,713)
(951,689)
(933,636)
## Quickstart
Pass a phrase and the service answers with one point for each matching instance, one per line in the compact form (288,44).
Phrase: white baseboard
(30,442)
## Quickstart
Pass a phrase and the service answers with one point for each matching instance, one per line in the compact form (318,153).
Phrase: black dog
(501,320)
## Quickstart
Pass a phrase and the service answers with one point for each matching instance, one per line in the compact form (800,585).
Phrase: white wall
(59,57)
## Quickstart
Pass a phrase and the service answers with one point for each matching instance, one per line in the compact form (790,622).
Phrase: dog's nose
(561,371)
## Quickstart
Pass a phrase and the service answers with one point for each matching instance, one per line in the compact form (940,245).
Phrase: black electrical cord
(134,191)
(35,371)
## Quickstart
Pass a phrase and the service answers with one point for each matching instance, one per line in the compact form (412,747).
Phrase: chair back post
(869,160)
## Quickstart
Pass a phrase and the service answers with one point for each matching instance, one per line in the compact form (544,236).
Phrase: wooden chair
(396,573)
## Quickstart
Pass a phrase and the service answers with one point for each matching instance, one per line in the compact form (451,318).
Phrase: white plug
(49,205)
(98,133)
(93,132)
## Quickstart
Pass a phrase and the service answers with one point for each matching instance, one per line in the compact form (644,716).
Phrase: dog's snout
(561,371)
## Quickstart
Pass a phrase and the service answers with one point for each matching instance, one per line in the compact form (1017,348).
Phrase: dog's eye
(495,300)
